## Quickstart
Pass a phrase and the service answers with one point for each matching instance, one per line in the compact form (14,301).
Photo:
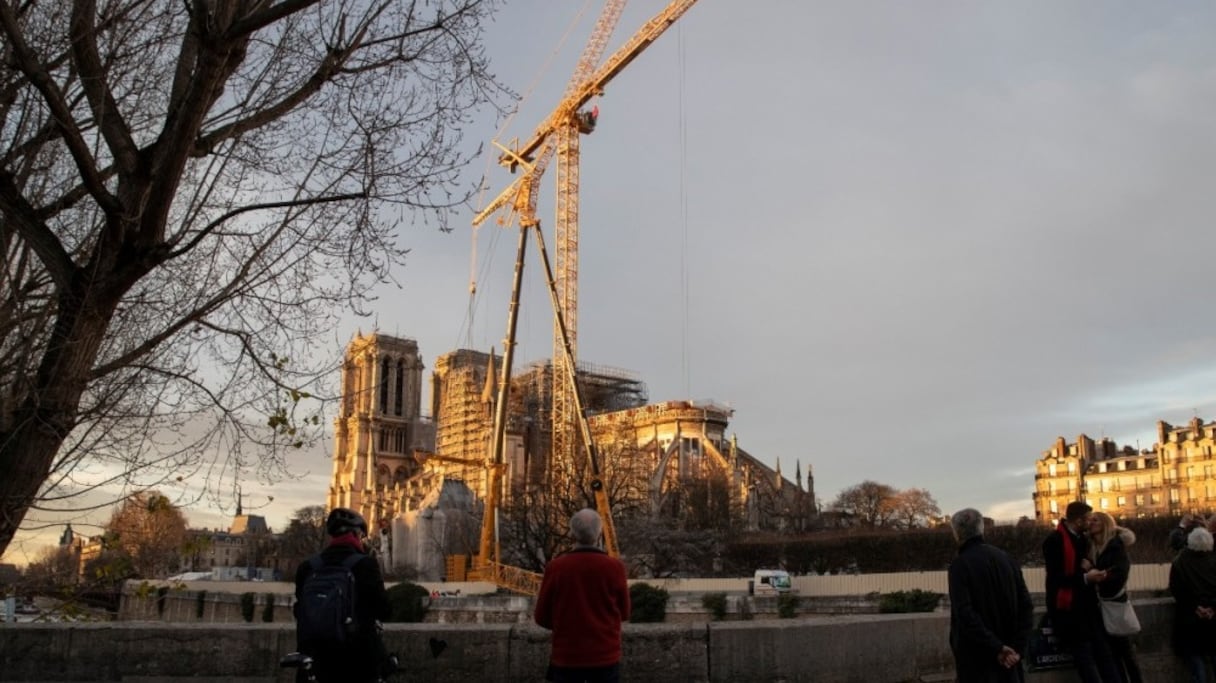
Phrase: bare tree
(151,531)
(870,503)
(304,536)
(190,193)
(662,548)
(915,508)
(55,569)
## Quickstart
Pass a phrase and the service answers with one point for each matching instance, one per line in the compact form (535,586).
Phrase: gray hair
(1199,539)
(586,526)
(967,523)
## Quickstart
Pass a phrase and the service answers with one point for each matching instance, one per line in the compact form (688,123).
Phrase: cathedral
(419,481)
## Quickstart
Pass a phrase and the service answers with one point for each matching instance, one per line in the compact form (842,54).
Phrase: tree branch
(27,63)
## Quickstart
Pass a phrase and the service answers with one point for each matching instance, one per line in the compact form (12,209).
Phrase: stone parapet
(878,648)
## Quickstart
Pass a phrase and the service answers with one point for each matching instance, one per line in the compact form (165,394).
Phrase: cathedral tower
(379,425)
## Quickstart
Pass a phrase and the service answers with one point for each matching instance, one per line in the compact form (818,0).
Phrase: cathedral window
(384,385)
(400,398)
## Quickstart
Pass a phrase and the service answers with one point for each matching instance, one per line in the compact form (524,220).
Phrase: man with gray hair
(583,599)
(991,613)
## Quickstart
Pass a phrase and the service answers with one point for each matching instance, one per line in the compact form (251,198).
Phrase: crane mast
(558,136)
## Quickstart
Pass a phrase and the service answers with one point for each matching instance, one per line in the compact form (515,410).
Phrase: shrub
(649,603)
(161,595)
(915,600)
(200,602)
(787,606)
(715,604)
(268,610)
(247,600)
(409,602)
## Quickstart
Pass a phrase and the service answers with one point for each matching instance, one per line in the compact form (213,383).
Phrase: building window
(1055,507)
(384,386)
(1174,496)
(1102,504)
(1072,467)
(1139,499)
(1051,470)
(1154,498)
(397,406)
(1121,501)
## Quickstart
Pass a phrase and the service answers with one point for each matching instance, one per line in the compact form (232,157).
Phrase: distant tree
(915,508)
(304,536)
(662,548)
(149,530)
(55,568)
(532,526)
(535,522)
(196,546)
(111,567)
(190,195)
(870,503)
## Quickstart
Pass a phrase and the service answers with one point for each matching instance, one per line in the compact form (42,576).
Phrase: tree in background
(534,523)
(191,193)
(915,508)
(56,568)
(872,504)
(869,503)
(149,530)
(304,536)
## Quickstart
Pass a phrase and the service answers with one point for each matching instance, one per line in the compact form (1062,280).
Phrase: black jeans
(1125,658)
(1094,660)
(595,674)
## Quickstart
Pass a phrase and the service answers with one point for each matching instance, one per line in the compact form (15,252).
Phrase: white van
(771,581)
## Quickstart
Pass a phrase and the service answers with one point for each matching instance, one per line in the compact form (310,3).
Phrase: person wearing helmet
(359,655)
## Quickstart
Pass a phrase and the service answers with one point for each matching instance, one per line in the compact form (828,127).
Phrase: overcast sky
(909,242)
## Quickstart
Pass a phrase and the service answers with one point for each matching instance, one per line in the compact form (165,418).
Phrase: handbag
(1044,650)
(1118,616)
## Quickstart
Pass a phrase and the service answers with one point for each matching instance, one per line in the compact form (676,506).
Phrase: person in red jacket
(583,599)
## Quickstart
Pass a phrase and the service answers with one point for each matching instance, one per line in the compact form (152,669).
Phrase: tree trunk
(39,426)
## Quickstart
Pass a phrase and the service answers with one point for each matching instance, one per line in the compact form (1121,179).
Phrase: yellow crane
(558,135)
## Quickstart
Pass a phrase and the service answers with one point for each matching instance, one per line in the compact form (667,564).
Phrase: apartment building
(1176,475)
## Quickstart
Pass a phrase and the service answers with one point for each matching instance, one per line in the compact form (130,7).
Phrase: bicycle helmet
(343,521)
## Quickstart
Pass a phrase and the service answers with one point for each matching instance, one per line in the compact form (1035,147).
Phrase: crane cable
(684,289)
(475,276)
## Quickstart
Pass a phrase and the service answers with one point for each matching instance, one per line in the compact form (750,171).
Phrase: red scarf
(1064,593)
(349,539)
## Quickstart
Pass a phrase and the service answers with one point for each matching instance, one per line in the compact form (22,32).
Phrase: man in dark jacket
(1072,602)
(361,657)
(990,609)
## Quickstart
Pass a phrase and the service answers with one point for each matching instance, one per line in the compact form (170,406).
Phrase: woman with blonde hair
(1108,553)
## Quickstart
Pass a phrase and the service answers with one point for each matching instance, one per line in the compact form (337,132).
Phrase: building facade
(1177,475)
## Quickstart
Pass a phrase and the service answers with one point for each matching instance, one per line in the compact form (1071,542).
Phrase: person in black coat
(1193,585)
(991,613)
(1108,553)
(1072,602)
(362,657)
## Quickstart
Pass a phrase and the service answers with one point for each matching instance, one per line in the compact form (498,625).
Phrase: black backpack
(325,611)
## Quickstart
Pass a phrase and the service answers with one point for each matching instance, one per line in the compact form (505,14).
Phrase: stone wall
(878,648)
(180,604)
